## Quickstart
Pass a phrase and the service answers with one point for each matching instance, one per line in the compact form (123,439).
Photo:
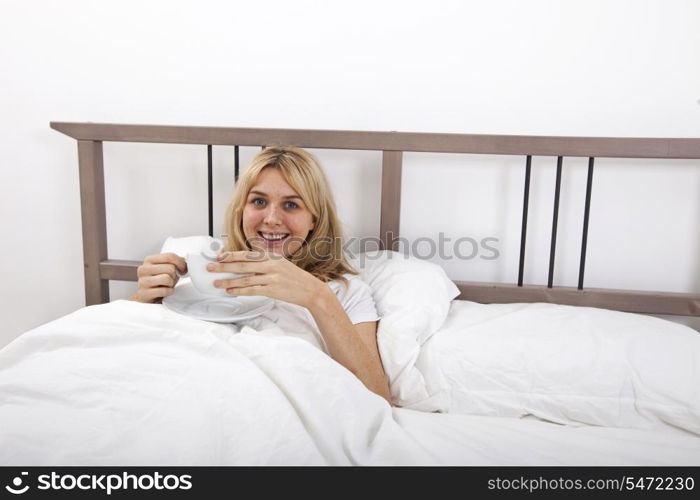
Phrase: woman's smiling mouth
(273,237)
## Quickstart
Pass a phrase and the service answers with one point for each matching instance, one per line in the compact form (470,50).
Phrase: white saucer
(188,301)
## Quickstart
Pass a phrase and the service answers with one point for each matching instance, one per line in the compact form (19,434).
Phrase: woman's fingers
(246,281)
(152,294)
(167,258)
(158,275)
(156,269)
(158,280)
(238,267)
(245,262)
(243,256)
(251,290)
(167,263)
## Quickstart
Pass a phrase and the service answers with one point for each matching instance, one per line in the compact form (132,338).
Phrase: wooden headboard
(99,268)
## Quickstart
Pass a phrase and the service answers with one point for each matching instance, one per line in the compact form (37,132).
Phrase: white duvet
(134,383)
(126,383)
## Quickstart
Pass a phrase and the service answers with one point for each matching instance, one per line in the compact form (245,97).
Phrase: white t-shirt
(356,299)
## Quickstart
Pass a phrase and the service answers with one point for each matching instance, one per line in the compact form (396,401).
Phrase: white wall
(592,68)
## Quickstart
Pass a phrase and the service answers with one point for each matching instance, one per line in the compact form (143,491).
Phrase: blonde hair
(303,172)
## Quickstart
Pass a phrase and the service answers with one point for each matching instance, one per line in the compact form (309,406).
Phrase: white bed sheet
(136,384)
(453,439)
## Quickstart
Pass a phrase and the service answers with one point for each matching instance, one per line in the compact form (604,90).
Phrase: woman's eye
(259,202)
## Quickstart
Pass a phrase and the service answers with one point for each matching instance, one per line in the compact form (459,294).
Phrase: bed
(480,373)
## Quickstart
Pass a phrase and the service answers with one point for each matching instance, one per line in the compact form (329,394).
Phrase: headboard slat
(601,147)
(122,270)
(390,219)
(682,304)
(92,209)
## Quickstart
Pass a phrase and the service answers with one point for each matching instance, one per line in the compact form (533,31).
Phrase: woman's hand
(273,276)
(157,277)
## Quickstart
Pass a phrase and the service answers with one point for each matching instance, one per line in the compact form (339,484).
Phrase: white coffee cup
(203,279)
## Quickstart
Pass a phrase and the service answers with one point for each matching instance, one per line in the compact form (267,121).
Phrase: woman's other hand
(157,276)
(272,276)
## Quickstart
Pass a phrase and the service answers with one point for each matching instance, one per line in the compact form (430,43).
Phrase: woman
(282,228)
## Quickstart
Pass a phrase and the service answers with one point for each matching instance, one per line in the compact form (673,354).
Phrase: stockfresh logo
(17,487)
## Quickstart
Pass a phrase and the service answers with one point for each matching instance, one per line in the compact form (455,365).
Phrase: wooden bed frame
(99,268)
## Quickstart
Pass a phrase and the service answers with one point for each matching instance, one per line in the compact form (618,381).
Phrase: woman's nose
(271,216)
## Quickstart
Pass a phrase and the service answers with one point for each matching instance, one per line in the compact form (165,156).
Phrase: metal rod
(235,169)
(553,247)
(523,231)
(586,212)
(211,189)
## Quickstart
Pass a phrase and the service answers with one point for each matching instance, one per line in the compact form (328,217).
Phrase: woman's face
(275,218)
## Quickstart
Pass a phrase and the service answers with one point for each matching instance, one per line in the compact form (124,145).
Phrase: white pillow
(413,298)
(565,364)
